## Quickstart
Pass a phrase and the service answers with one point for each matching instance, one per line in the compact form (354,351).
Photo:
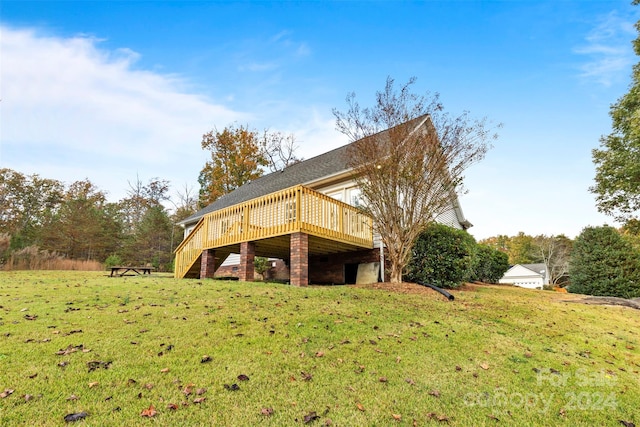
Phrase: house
(532,276)
(306,215)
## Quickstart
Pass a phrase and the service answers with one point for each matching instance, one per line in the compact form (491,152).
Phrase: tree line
(77,222)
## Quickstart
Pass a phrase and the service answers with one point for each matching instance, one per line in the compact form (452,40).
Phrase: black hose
(435,288)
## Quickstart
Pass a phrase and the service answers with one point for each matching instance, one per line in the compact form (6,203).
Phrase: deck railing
(295,209)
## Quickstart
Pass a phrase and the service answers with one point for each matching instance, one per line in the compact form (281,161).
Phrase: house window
(336,195)
(290,210)
(355,197)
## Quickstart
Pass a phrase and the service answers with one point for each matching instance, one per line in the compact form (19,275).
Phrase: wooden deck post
(299,267)
(208,264)
(247,254)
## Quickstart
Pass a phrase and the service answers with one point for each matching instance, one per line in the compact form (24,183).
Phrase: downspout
(382,260)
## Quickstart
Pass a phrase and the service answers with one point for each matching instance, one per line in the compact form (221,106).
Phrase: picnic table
(121,271)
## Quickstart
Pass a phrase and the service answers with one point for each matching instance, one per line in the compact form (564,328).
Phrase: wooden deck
(332,226)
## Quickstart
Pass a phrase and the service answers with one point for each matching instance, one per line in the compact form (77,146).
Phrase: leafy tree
(522,250)
(617,161)
(442,256)
(25,204)
(408,162)
(489,264)
(152,242)
(603,263)
(140,198)
(84,226)
(236,159)
(261,265)
(499,242)
(240,155)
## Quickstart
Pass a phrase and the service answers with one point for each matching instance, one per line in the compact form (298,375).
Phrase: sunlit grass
(351,356)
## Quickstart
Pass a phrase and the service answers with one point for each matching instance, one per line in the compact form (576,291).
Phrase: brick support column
(299,267)
(208,264)
(247,254)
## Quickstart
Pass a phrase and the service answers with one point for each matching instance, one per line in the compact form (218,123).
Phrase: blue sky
(116,91)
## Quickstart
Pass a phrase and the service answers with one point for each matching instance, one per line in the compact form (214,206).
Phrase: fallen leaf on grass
(306,376)
(31,316)
(164,370)
(93,384)
(199,399)
(97,364)
(382,379)
(243,377)
(410,381)
(484,366)
(72,397)
(627,423)
(310,417)
(201,391)
(6,393)
(27,397)
(266,411)
(206,359)
(319,354)
(232,387)
(172,406)
(188,389)
(70,349)
(493,417)
(360,407)
(397,417)
(149,412)
(69,418)
(442,418)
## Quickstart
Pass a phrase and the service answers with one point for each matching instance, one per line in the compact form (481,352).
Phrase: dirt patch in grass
(411,288)
(632,303)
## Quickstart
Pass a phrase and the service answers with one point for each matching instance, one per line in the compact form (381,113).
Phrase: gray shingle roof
(536,268)
(326,164)
(329,163)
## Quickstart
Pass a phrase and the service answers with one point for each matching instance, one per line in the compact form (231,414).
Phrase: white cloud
(608,48)
(74,110)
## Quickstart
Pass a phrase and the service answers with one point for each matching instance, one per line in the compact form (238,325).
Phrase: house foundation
(208,264)
(247,255)
(299,267)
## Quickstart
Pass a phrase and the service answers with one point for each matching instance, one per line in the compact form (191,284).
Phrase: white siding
(450,218)
(523,277)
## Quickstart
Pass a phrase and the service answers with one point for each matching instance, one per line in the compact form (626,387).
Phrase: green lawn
(204,352)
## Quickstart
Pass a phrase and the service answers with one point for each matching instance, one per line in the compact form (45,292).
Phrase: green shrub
(489,264)
(604,263)
(112,260)
(261,265)
(442,256)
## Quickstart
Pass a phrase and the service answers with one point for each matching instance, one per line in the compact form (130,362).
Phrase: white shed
(532,276)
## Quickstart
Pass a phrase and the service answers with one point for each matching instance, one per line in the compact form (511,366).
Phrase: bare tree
(279,150)
(408,160)
(555,252)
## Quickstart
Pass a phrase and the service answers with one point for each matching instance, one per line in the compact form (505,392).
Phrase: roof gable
(526,270)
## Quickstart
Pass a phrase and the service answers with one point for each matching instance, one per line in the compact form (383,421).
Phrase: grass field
(158,351)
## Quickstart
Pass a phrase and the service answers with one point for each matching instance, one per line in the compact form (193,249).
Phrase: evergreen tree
(603,263)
